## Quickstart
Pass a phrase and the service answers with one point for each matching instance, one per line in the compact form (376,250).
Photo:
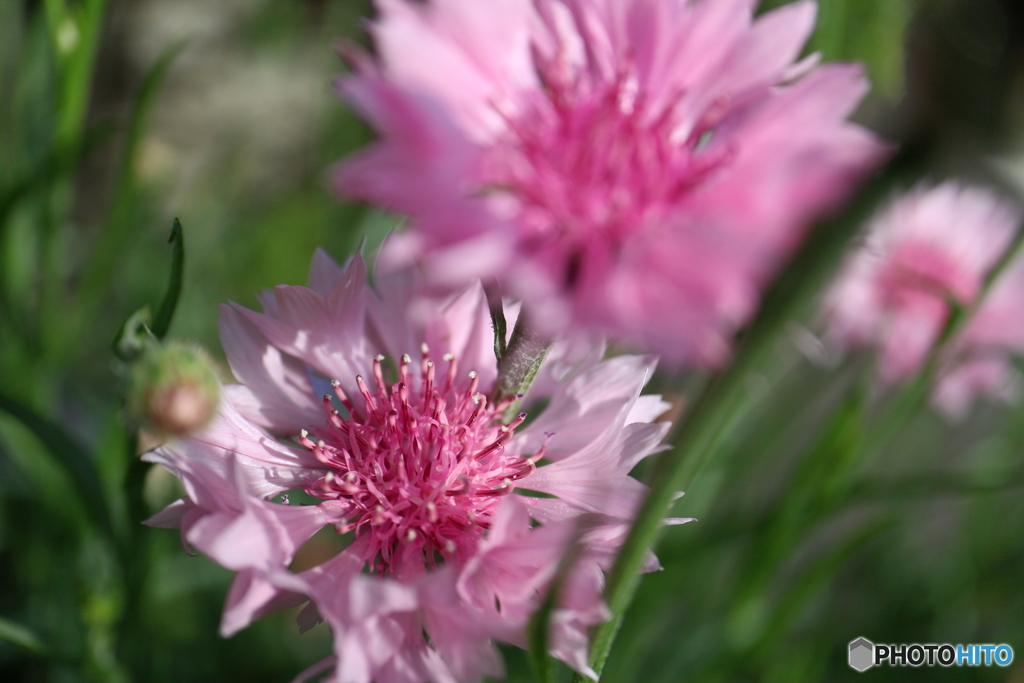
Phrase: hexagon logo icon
(862,654)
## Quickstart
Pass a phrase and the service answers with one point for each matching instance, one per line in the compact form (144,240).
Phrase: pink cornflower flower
(928,250)
(458,516)
(634,167)
(979,361)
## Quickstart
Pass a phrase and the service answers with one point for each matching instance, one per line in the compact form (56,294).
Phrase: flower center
(419,464)
(591,163)
(919,270)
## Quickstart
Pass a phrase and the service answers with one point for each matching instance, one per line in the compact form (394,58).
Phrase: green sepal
(520,363)
(497,320)
(537,634)
(134,336)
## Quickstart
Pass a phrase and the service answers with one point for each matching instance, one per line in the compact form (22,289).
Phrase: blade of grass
(75,460)
(814,581)
(119,225)
(76,85)
(20,635)
(57,163)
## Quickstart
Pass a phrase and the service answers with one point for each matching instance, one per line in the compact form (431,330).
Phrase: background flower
(929,250)
(980,359)
(632,167)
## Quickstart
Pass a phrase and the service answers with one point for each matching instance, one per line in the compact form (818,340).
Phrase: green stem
(697,439)
(135,557)
(724,401)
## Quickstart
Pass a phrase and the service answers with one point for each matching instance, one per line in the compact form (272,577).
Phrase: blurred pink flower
(452,544)
(979,360)
(635,167)
(926,250)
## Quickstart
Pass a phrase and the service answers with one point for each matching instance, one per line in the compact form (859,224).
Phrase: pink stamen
(422,467)
(378,374)
(340,393)
(592,161)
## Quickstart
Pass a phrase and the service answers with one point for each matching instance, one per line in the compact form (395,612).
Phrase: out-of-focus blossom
(926,251)
(979,360)
(635,167)
(458,517)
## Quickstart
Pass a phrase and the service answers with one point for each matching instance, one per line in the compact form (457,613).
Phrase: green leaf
(139,331)
(170,302)
(76,461)
(20,635)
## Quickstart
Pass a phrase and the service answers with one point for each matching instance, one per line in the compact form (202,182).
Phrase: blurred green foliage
(91,175)
(116,117)
(868,31)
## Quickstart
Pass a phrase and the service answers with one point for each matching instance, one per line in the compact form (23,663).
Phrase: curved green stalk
(724,401)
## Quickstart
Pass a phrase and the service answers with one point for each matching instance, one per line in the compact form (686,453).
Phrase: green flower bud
(174,389)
